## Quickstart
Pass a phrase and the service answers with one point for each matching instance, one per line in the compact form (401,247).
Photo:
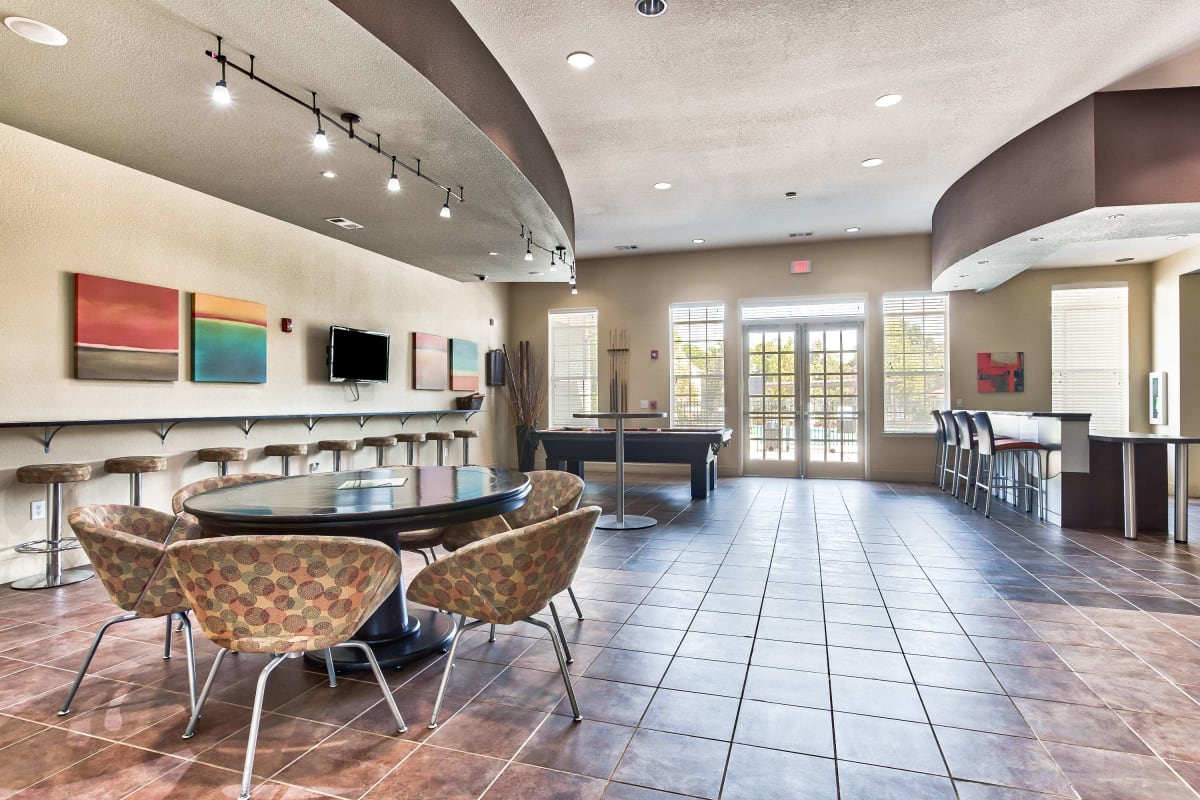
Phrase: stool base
(67,577)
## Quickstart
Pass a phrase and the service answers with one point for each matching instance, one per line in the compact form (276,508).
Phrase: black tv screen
(358,356)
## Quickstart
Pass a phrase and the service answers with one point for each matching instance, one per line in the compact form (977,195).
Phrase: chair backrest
(208,484)
(283,593)
(127,548)
(940,436)
(986,441)
(551,492)
(951,427)
(966,429)
(509,576)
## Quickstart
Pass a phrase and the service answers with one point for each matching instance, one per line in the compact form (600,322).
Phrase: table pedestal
(429,633)
(619,521)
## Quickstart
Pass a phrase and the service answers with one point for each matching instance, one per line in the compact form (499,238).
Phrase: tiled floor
(784,639)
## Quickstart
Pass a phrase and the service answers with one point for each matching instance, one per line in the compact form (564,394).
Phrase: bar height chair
(466,434)
(381,444)
(441,437)
(337,447)
(967,451)
(951,453)
(135,467)
(1020,477)
(54,545)
(412,440)
(285,453)
(221,456)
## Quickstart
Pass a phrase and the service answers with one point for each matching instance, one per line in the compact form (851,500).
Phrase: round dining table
(374,504)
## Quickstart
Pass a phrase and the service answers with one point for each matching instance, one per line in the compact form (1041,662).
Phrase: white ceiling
(734,103)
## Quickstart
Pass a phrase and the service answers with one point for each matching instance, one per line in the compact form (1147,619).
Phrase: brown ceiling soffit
(435,39)
(1109,149)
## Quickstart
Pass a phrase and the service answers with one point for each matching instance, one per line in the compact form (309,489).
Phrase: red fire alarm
(654,355)
(801,267)
(285,324)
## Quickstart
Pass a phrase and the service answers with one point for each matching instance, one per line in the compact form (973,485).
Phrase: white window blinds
(794,308)
(697,365)
(1089,358)
(914,361)
(574,365)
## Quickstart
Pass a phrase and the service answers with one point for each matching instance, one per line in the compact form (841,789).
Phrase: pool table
(568,448)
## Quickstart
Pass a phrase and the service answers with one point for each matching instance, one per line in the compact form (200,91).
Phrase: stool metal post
(1181,492)
(1130,475)
(53,546)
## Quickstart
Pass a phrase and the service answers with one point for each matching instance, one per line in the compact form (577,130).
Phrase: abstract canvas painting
(229,340)
(1001,372)
(430,363)
(464,365)
(125,331)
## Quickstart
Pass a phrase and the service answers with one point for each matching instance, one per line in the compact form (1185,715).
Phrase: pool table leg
(700,480)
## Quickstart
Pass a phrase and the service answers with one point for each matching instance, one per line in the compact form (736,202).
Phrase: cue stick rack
(618,384)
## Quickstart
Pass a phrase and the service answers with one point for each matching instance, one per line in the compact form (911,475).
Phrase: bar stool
(466,434)
(222,456)
(54,545)
(338,446)
(411,439)
(966,449)
(1023,454)
(134,467)
(939,450)
(951,455)
(381,445)
(441,437)
(285,453)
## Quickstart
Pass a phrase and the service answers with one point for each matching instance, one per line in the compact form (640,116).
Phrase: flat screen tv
(357,356)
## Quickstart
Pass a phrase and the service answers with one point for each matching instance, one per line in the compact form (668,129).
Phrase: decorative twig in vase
(525,390)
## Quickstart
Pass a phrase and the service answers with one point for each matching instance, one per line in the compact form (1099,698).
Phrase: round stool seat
(466,434)
(221,454)
(380,441)
(135,465)
(439,436)
(338,444)
(410,437)
(285,450)
(54,473)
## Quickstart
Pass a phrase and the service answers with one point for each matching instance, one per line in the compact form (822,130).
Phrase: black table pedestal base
(433,634)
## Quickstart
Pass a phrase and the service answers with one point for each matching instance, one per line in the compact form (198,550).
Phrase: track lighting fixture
(574,289)
(320,139)
(529,249)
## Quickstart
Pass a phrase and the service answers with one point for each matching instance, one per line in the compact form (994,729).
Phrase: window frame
(923,424)
(1118,391)
(589,374)
(706,376)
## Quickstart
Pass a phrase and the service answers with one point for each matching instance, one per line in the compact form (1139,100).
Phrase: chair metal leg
(575,602)
(387,692)
(492,633)
(441,693)
(329,669)
(87,660)
(260,691)
(424,556)
(167,639)
(562,664)
(189,650)
(561,635)
(190,730)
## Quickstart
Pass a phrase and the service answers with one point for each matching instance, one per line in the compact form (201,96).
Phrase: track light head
(445,212)
(393,183)
(320,140)
(529,250)
(220,94)
(574,289)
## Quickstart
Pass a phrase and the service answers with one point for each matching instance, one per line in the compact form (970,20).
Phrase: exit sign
(801,267)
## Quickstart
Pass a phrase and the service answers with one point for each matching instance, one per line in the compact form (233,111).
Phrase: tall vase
(526,446)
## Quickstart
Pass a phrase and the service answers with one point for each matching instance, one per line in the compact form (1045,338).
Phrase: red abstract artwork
(1001,372)
(125,331)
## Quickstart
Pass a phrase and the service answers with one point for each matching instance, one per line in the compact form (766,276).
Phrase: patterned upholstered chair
(127,548)
(282,596)
(507,578)
(207,485)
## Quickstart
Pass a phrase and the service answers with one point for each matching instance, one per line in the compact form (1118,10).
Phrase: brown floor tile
(866,782)
(127,715)
(608,701)
(520,782)
(1171,737)
(974,710)
(433,772)
(981,791)
(488,730)
(1082,725)
(14,729)
(717,647)
(1132,694)
(916,620)
(1004,760)
(20,687)
(281,740)
(692,714)
(789,655)
(939,645)
(589,747)
(790,687)
(1104,661)
(1018,652)
(997,627)
(1045,684)
(684,764)
(1118,776)
(346,764)
(950,673)
(110,774)
(755,773)
(645,639)
(708,677)
(798,730)
(662,617)
(36,757)
(887,743)
(628,666)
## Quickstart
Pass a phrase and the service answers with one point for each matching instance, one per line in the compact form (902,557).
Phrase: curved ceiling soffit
(1114,166)
(435,39)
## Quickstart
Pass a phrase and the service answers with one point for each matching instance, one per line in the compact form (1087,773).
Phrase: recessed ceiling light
(872,162)
(888,100)
(493,253)
(535,273)
(789,195)
(1036,238)
(853,229)
(697,241)
(985,261)
(1111,217)
(650,8)
(35,31)
(329,174)
(342,222)
(1124,260)
(800,235)
(580,60)
(626,247)
(662,185)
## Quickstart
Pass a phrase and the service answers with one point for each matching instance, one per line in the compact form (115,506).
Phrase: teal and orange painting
(229,340)
(464,365)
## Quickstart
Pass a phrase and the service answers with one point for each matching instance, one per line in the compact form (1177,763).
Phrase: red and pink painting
(125,331)
(1001,372)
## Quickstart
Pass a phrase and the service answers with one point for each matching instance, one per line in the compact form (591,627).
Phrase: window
(776,310)
(1089,354)
(914,361)
(573,363)
(697,365)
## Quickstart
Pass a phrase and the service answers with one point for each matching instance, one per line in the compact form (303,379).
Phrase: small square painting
(464,365)
(1001,372)
(229,340)
(125,331)
(430,362)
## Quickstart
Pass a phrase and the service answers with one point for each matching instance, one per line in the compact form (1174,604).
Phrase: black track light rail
(312,108)
(557,250)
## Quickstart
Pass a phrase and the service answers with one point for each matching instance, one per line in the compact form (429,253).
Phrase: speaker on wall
(494,374)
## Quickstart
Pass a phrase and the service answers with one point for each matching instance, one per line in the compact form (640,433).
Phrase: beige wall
(65,211)
(1176,282)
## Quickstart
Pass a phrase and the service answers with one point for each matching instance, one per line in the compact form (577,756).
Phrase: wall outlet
(654,405)
(37,509)
(314,466)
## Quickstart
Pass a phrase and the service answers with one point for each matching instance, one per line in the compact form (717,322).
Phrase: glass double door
(804,405)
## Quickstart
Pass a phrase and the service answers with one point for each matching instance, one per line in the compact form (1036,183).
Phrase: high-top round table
(619,521)
(375,504)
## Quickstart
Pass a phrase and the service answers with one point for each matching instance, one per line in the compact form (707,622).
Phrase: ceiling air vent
(799,235)
(627,247)
(342,222)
